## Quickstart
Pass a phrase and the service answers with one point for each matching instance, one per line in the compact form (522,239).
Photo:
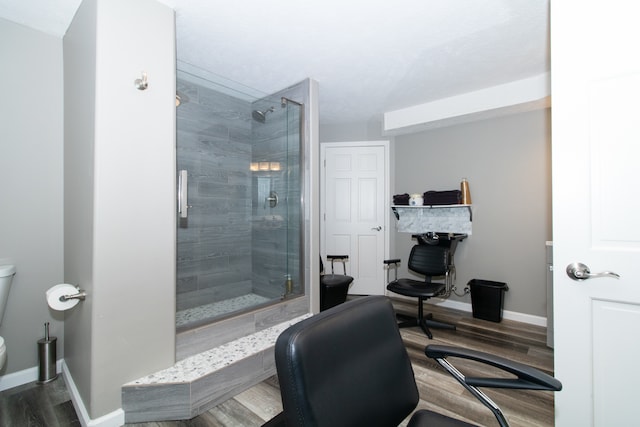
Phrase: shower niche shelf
(433,218)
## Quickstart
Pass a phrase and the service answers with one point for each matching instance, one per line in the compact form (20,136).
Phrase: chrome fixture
(142,83)
(81,295)
(578,271)
(183,204)
(271,200)
(284,101)
(261,116)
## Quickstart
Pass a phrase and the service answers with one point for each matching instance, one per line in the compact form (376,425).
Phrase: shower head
(261,116)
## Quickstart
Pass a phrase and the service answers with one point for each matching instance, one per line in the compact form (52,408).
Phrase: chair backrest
(346,366)
(429,260)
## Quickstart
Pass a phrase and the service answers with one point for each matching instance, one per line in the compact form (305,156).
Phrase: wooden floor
(49,405)
(35,405)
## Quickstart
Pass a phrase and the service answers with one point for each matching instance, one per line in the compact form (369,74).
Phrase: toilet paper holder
(81,295)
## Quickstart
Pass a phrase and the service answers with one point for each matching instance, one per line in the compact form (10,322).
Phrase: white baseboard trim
(113,419)
(525,318)
(25,376)
(510,315)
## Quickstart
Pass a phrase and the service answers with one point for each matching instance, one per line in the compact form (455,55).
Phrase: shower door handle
(183,197)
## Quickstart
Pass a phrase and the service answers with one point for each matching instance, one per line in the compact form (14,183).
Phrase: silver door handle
(378,228)
(578,271)
(183,204)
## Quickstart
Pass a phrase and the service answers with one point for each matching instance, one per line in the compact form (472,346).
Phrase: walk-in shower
(239,231)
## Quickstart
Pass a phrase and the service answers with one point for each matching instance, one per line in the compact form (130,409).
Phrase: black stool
(334,287)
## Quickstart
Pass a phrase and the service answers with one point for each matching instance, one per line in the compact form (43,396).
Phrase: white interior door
(355,209)
(595,73)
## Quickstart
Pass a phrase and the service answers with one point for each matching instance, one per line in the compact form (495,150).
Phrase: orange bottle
(466,194)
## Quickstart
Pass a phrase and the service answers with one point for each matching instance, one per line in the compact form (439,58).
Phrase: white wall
(507,161)
(30,186)
(119,196)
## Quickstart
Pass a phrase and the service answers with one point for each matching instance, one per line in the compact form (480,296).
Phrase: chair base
(423,320)
(426,322)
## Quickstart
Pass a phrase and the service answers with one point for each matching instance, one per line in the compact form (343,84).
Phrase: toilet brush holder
(47,357)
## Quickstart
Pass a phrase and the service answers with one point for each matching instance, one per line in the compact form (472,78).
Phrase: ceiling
(368,56)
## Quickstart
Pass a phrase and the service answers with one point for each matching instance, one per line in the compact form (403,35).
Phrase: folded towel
(451,197)
(401,199)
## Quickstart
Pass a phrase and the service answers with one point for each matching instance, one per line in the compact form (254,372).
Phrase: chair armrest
(392,263)
(341,258)
(528,377)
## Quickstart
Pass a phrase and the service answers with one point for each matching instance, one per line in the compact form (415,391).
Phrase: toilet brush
(47,357)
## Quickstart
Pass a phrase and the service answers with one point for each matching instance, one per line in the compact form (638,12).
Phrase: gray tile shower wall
(214,242)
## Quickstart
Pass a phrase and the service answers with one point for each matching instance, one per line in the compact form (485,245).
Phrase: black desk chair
(334,287)
(430,261)
(348,367)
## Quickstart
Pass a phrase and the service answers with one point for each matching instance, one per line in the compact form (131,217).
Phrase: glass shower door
(295,253)
(277,206)
(240,238)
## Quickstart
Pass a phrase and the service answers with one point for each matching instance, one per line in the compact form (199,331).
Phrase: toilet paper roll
(54,293)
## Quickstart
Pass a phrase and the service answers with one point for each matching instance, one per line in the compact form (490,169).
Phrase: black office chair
(430,261)
(348,367)
(334,287)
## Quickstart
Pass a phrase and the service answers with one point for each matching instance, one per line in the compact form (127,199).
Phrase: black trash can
(487,299)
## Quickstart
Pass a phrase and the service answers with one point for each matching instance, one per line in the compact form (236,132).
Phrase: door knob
(378,228)
(578,271)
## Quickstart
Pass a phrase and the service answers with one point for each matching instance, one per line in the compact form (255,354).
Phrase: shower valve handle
(272,200)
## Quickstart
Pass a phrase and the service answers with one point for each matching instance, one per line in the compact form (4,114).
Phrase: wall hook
(142,83)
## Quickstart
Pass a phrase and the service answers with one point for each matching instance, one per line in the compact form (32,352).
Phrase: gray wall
(79,118)
(119,196)
(30,186)
(369,131)
(507,161)
(508,164)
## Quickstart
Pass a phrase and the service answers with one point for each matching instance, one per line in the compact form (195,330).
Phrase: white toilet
(6,276)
